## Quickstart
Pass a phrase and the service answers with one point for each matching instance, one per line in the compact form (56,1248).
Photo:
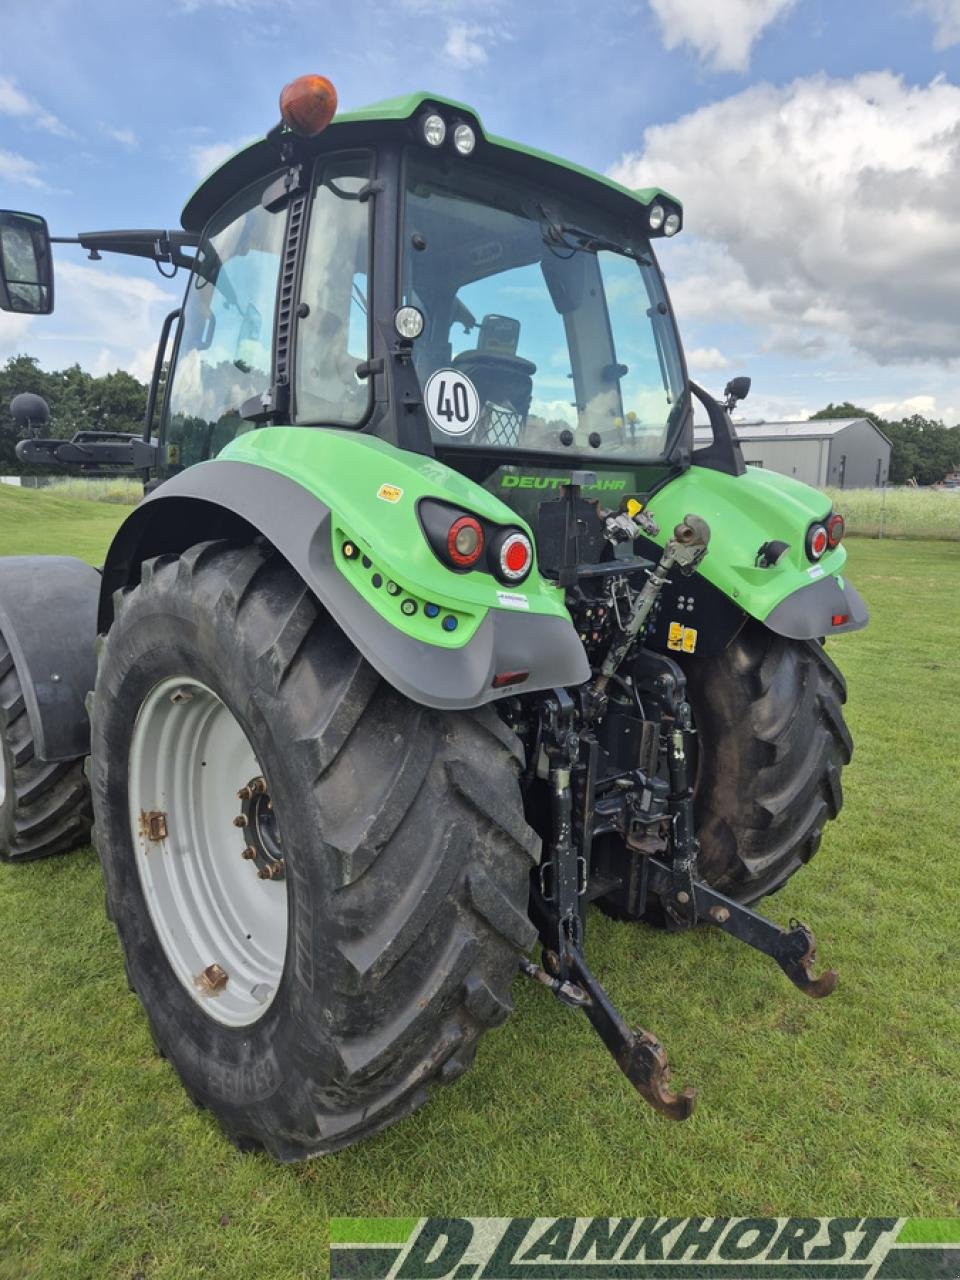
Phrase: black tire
(44,808)
(407,854)
(771,745)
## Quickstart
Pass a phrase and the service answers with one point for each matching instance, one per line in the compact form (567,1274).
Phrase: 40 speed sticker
(452,403)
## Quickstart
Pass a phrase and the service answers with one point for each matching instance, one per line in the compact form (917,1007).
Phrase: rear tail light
(839,619)
(512,556)
(817,541)
(835,528)
(465,542)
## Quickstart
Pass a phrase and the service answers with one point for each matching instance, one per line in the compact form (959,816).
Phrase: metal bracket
(794,948)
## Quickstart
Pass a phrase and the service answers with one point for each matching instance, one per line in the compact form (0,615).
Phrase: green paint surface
(743,512)
(345,470)
(930,1231)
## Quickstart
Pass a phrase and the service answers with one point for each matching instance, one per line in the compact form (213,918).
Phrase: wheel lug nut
(249,852)
(244,793)
(240,820)
(263,874)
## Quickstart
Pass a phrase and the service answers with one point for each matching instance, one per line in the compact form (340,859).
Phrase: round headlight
(434,130)
(671,224)
(464,139)
(655,217)
(408,322)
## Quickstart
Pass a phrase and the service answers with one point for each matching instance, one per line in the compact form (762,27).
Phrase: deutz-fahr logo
(554,482)
(685,1248)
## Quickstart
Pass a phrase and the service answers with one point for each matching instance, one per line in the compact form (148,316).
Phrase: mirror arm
(159,245)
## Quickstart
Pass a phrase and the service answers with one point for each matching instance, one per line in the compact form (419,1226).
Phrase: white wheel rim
(189,758)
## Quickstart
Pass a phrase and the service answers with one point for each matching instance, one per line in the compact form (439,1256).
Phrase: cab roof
(392,116)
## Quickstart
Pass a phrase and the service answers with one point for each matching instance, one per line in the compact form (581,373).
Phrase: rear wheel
(44,807)
(320,888)
(771,742)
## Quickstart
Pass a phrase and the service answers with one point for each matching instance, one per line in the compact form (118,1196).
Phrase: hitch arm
(794,948)
(639,1054)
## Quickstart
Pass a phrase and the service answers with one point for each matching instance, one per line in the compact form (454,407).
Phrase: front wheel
(319,887)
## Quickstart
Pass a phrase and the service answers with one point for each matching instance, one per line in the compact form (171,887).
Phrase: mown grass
(846,1106)
(900,513)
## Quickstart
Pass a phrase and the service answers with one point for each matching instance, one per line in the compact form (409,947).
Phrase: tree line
(78,402)
(923,449)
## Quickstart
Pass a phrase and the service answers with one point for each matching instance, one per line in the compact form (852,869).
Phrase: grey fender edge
(227,499)
(48,616)
(808,613)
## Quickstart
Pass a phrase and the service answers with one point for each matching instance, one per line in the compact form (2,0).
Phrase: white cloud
(204,159)
(13,333)
(722,32)
(104,320)
(126,137)
(706,358)
(926,405)
(946,17)
(466,44)
(825,211)
(20,171)
(14,102)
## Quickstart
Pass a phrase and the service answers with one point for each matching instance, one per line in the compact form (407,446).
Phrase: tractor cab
(396,271)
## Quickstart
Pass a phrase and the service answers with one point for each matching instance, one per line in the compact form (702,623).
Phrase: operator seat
(504,380)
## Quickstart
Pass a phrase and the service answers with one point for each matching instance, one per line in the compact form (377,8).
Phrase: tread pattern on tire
(423,820)
(772,743)
(47,809)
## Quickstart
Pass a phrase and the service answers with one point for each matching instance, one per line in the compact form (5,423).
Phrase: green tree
(922,449)
(78,402)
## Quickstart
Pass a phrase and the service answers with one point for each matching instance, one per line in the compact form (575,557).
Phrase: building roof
(809,430)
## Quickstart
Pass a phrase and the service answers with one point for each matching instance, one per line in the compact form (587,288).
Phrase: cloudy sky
(815,144)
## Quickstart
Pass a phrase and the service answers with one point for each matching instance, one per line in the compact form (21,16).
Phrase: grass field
(900,513)
(847,1106)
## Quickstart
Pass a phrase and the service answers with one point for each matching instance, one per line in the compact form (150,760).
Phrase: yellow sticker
(634,507)
(389,493)
(682,639)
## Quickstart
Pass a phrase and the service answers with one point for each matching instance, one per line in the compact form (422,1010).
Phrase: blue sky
(816,146)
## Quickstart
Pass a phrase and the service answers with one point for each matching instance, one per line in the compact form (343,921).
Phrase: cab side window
(226,342)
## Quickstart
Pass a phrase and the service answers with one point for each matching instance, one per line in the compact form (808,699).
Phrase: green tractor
(432,628)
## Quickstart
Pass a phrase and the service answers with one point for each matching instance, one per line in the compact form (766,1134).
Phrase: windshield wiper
(561,234)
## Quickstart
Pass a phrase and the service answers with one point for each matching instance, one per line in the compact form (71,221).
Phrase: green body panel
(743,512)
(345,471)
(409,104)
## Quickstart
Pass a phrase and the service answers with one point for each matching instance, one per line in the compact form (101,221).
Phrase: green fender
(796,597)
(446,639)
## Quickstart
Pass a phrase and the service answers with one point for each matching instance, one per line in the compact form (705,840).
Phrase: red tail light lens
(514,557)
(465,542)
(835,528)
(817,541)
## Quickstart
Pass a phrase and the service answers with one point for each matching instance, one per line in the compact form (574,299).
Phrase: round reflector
(465,542)
(307,105)
(817,541)
(516,556)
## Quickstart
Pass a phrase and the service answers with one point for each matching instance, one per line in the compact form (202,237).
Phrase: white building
(846,453)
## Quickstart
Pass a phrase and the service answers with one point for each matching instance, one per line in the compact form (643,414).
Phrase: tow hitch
(571,749)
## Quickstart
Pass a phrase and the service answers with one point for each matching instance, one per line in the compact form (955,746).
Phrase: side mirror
(737,389)
(26,264)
